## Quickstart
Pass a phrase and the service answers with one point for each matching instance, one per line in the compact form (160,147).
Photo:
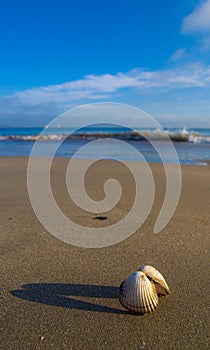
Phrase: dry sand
(58,296)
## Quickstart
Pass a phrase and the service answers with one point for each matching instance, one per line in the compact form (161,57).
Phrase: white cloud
(198,20)
(39,105)
(106,86)
(178,55)
(91,87)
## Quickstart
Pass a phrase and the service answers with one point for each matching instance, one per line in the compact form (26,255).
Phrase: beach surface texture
(58,296)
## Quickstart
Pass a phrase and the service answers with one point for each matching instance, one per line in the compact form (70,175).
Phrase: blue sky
(151,54)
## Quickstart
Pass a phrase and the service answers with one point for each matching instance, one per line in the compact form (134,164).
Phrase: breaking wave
(176,135)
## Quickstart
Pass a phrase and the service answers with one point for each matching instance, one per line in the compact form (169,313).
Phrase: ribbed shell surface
(153,274)
(138,294)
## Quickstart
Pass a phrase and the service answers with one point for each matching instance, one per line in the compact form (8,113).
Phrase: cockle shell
(154,275)
(138,294)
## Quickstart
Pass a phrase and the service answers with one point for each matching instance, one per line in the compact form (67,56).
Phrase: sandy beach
(58,296)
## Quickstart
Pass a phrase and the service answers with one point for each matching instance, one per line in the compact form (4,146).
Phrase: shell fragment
(154,275)
(138,294)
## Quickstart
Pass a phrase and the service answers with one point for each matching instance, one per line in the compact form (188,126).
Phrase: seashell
(138,294)
(154,275)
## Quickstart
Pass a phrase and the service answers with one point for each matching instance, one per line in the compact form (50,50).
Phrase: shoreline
(203,162)
(54,295)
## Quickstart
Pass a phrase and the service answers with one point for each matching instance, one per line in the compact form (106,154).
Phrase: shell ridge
(138,293)
(147,295)
(155,299)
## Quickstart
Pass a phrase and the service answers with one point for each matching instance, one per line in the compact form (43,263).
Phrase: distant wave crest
(133,135)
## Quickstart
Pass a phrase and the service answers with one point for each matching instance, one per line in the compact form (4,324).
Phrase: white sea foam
(176,135)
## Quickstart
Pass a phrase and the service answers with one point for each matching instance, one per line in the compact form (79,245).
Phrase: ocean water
(192,145)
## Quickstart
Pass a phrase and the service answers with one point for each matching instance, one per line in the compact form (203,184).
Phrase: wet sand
(58,296)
